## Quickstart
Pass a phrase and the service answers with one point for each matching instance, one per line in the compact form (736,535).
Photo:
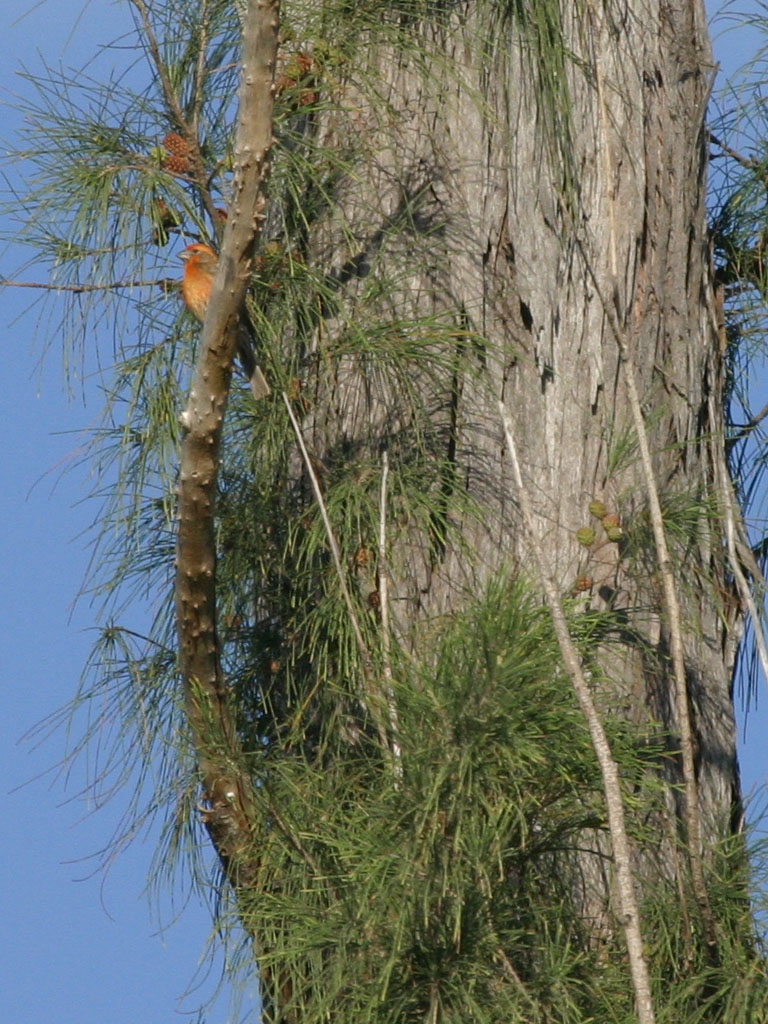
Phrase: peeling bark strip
(225,779)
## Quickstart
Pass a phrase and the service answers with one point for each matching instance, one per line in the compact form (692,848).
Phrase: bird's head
(199,255)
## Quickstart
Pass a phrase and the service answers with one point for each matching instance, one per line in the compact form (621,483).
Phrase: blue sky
(82,946)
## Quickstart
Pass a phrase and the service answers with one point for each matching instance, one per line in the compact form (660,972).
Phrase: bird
(200,263)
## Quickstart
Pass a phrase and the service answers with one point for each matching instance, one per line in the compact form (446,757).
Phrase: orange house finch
(199,271)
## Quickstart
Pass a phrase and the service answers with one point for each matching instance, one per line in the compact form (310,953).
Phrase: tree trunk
(524,211)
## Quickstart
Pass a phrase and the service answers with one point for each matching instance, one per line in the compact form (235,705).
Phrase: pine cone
(179,161)
(177,164)
(176,144)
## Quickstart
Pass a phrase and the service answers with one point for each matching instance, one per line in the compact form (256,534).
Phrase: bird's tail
(245,351)
(259,386)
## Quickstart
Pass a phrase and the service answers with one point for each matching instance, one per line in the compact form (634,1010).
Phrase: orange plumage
(200,263)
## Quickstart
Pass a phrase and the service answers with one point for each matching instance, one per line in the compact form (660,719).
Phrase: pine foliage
(422,801)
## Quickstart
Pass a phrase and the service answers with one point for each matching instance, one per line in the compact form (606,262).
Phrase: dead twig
(332,542)
(746,428)
(671,604)
(386,639)
(79,289)
(749,162)
(629,913)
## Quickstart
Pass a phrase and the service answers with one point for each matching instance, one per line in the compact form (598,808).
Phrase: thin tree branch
(171,99)
(386,639)
(745,591)
(629,912)
(374,701)
(199,91)
(734,543)
(749,426)
(695,843)
(749,162)
(77,289)
(188,130)
(332,542)
(670,599)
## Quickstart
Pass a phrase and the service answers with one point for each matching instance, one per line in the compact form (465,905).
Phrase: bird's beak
(184,256)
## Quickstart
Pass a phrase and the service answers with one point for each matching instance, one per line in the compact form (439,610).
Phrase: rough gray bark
(469,206)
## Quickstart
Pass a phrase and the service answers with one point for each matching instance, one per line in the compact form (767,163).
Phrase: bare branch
(745,592)
(374,703)
(187,128)
(332,542)
(749,162)
(670,599)
(749,426)
(164,282)
(629,911)
(199,92)
(741,554)
(695,844)
(386,639)
(171,99)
